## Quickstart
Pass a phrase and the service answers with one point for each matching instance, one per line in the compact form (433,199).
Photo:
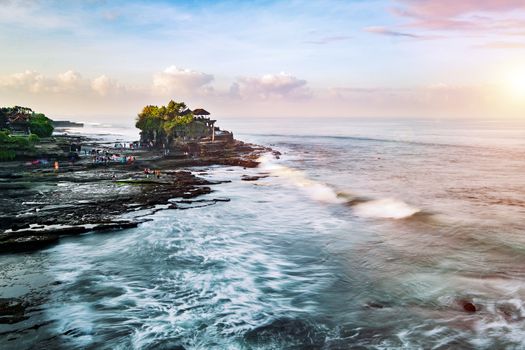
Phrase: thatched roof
(200,111)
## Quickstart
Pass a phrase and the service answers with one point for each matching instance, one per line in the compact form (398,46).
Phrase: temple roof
(200,111)
(18,118)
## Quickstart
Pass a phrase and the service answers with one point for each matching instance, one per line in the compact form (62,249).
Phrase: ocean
(373,234)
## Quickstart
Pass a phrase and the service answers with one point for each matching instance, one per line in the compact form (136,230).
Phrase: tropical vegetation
(12,141)
(37,123)
(166,123)
(11,144)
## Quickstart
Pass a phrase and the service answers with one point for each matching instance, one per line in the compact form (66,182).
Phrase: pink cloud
(455,8)
(502,45)
(282,85)
(388,32)
(464,15)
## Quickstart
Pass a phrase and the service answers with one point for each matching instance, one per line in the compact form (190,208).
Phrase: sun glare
(515,83)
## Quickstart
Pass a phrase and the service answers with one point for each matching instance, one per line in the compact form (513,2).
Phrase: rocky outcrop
(40,205)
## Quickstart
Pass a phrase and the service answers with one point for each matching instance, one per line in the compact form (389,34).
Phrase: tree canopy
(41,125)
(165,121)
(38,123)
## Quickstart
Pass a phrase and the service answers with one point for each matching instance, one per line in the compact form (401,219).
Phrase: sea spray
(387,208)
(316,190)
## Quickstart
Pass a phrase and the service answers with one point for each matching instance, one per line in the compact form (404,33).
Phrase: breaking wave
(388,208)
(315,190)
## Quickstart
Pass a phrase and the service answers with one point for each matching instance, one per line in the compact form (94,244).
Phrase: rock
(115,226)
(99,206)
(374,305)
(27,243)
(19,227)
(468,306)
(11,311)
(253,178)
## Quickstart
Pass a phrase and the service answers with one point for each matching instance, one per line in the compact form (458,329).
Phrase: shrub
(7,155)
(41,125)
(33,138)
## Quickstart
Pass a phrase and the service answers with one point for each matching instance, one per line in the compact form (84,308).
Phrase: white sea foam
(388,208)
(381,208)
(315,190)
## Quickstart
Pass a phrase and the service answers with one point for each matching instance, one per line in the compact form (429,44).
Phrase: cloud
(464,15)
(455,8)
(328,40)
(33,14)
(103,85)
(28,80)
(68,82)
(271,86)
(388,32)
(180,80)
(34,82)
(502,45)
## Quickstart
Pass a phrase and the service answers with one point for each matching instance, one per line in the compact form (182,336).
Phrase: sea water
(371,234)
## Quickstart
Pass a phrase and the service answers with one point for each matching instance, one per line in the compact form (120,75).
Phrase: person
(56,166)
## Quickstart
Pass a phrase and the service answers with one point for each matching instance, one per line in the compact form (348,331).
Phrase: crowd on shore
(99,156)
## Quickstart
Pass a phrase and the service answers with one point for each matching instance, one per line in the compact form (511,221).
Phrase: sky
(105,60)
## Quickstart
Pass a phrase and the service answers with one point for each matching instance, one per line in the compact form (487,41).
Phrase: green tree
(41,125)
(163,123)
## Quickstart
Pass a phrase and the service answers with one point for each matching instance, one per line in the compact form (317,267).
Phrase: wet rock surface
(254,177)
(40,205)
(11,311)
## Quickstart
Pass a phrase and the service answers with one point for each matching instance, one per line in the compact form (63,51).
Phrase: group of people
(131,145)
(155,173)
(104,157)
(112,158)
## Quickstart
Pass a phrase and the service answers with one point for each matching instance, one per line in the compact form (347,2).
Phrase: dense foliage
(38,123)
(161,124)
(14,139)
(41,125)
(10,144)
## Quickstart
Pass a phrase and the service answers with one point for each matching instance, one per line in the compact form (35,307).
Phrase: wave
(366,138)
(316,190)
(388,208)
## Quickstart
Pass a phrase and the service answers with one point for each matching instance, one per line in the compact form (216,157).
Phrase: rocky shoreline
(39,205)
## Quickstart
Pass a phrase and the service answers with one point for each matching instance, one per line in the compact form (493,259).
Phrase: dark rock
(468,306)
(11,311)
(115,226)
(25,227)
(253,178)
(27,243)
(19,227)
(374,305)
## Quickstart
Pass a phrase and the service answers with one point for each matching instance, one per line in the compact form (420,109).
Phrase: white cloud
(103,85)
(28,80)
(33,14)
(69,82)
(271,86)
(180,80)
